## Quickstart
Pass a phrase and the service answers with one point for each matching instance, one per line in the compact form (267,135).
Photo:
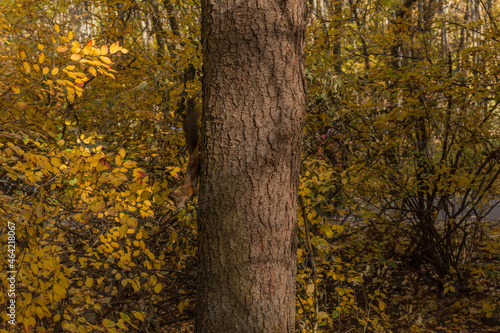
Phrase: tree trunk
(254,110)
(158,30)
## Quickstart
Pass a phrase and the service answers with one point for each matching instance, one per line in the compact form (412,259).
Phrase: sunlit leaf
(26,67)
(105,60)
(62,48)
(114,48)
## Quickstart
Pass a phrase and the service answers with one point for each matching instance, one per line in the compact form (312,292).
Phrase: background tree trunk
(158,29)
(254,109)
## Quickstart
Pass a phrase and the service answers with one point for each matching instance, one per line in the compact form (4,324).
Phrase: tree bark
(253,114)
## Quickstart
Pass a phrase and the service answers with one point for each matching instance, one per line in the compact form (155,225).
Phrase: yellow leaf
(21,54)
(139,315)
(55,70)
(89,282)
(123,231)
(322,315)
(62,48)
(87,49)
(122,152)
(157,288)
(57,317)
(130,164)
(45,71)
(52,38)
(92,71)
(104,50)
(41,47)
(36,67)
(15,90)
(114,48)
(79,82)
(56,28)
(118,160)
(70,35)
(41,57)
(34,268)
(26,67)
(59,290)
(124,51)
(55,162)
(105,60)
(132,222)
(70,97)
(182,305)
(76,57)
(108,323)
(64,39)
(71,74)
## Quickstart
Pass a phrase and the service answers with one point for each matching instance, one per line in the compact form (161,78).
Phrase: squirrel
(191,127)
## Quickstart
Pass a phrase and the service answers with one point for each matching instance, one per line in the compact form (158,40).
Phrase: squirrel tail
(191,128)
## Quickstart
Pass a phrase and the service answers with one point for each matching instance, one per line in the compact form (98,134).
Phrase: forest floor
(417,307)
(413,304)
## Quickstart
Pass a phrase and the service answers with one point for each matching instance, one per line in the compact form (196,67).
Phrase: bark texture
(253,114)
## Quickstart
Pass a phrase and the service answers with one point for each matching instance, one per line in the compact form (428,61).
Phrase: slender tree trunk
(172,19)
(337,46)
(360,27)
(314,8)
(158,29)
(254,109)
(174,26)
